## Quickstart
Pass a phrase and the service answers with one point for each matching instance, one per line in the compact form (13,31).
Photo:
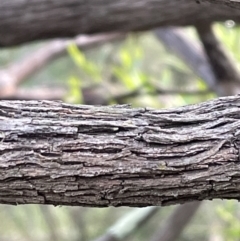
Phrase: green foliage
(128,71)
(230,37)
(229,216)
(89,70)
(75,91)
(141,65)
(88,67)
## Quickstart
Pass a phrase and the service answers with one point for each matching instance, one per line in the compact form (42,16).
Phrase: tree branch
(62,154)
(158,91)
(16,73)
(190,52)
(22,21)
(128,224)
(226,73)
(37,93)
(176,222)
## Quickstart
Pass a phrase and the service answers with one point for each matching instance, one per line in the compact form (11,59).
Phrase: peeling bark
(62,154)
(24,21)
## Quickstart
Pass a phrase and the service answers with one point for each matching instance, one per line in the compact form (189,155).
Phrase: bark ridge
(62,154)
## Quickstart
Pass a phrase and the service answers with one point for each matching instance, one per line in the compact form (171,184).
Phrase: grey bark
(24,21)
(62,154)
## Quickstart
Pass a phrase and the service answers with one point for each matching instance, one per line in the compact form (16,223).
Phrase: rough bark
(61,154)
(24,21)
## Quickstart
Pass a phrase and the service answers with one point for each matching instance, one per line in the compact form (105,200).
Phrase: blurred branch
(176,222)
(17,73)
(92,95)
(128,224)
(50,223)
(78,217)
(19,221)
(37,93)
(140,91)
(214,66)
(63,18)
(224,69)
(190,52)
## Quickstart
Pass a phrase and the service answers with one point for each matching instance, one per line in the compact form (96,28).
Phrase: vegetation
(137,70)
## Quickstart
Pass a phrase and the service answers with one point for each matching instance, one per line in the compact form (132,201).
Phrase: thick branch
(22,21)
(61,154)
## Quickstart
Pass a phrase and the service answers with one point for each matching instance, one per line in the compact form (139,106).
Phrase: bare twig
(176,222)
(50,223)
(37,93)
(226,73)
(16,73)
(189,51)
(158,91)
(128,224)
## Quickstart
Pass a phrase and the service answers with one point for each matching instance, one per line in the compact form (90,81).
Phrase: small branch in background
(37,93)
(176,222)
(50,223)
(128,224)
(78,216)
(189,51)
(224,69)
(140,91)
(15,74)
(93,95)
(19,223)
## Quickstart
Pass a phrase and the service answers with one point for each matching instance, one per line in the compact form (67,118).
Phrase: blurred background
(162,68)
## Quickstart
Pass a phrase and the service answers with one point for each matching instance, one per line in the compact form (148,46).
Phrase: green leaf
(74,94)
(125,58)
(124,77)
(90,69)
